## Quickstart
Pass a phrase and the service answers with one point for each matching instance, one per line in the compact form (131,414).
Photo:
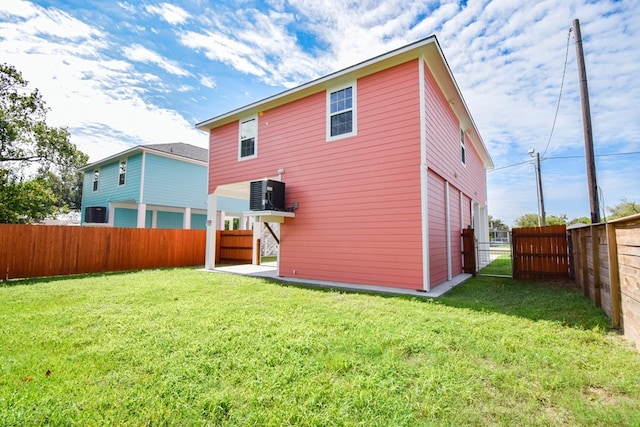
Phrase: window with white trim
(341,112)
(122,172)
(96,178)
(248,139)
(463,149)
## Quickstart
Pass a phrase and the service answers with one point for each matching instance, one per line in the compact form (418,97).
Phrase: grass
(185,347)
(501,266)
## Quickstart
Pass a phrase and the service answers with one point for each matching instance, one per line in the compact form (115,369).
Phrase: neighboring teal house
(148,186)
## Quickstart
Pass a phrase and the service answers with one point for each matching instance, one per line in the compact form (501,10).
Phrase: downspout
(448,228)
(424,194)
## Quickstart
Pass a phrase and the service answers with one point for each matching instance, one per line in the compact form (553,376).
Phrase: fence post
(584,261)
(614,275)
(595,259)
(514,261)
(218,247)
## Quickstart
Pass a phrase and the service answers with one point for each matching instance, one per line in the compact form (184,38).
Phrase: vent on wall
(266,195)
(95,214)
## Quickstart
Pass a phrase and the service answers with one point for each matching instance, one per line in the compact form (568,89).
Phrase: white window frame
(120,172)
(354,111)
(95,182)
(463,148)
(240,139)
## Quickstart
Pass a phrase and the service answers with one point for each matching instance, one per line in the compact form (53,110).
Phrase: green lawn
(185,347)
(501,266)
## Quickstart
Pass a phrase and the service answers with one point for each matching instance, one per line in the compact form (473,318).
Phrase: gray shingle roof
(181,149)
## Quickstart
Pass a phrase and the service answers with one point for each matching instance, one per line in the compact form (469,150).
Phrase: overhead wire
(564,72)
(565,157)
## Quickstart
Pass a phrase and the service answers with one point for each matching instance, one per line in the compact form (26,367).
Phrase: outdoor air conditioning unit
(267,195)
(95,214)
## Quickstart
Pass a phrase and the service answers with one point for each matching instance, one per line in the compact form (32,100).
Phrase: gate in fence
(534,253)
(485,258)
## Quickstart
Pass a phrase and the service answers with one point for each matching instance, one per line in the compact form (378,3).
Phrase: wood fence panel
(235,246)
(607,265)
(628,247)
(540,253)
(38,251)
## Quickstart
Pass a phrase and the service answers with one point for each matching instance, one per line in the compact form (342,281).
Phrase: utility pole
(588,133)
(542,212)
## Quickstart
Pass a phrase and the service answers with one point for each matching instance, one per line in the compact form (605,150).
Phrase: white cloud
(17,8)
(208,82)
(142,54)
(88,91)
(507,59)
(170,13)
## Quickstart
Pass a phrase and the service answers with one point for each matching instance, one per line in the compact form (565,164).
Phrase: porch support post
(257,233)
(142,215)
(111,215)
(210,251)
(186,220)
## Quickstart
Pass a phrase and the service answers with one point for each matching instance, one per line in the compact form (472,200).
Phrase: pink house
(382,161)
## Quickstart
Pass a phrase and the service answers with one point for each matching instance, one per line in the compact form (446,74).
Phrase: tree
(28,144)
(556,220)
(580,220)
(527,220)
(624,208)
(531,220)
(497,223)
(24,201)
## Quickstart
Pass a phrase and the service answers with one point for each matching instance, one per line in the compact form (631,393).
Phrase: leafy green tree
(24,201)
(497,223)
(556,220)
(580,220)
(531,220)
(28,144)
(527,220)
(624,208)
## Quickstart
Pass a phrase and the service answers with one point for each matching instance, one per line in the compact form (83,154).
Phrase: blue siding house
(148,186)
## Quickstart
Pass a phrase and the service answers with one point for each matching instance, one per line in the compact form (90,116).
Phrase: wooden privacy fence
(38,250)
(468,251)
(234,246)
(606,260)
(540,253)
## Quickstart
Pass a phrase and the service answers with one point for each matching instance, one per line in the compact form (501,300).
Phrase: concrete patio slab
(269,271)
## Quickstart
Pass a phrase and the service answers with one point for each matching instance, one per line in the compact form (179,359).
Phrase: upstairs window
(463,150)
(122,172)
(247,147)
(341,112)
(96,178)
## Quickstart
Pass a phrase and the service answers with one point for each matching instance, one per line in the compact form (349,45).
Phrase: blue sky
(123,73)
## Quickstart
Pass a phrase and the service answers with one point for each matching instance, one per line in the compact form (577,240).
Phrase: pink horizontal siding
(444,161)
(359,212)
(455,230)
(437,229)
(443,146)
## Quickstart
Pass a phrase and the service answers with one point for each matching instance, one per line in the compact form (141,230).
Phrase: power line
(565,157)
(564,72)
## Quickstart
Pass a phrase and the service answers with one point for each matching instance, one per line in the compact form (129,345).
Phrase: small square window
(96,178)
(122,172)
(248,139)
(463,150)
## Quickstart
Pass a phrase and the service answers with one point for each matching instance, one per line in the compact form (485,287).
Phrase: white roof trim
(140,149)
